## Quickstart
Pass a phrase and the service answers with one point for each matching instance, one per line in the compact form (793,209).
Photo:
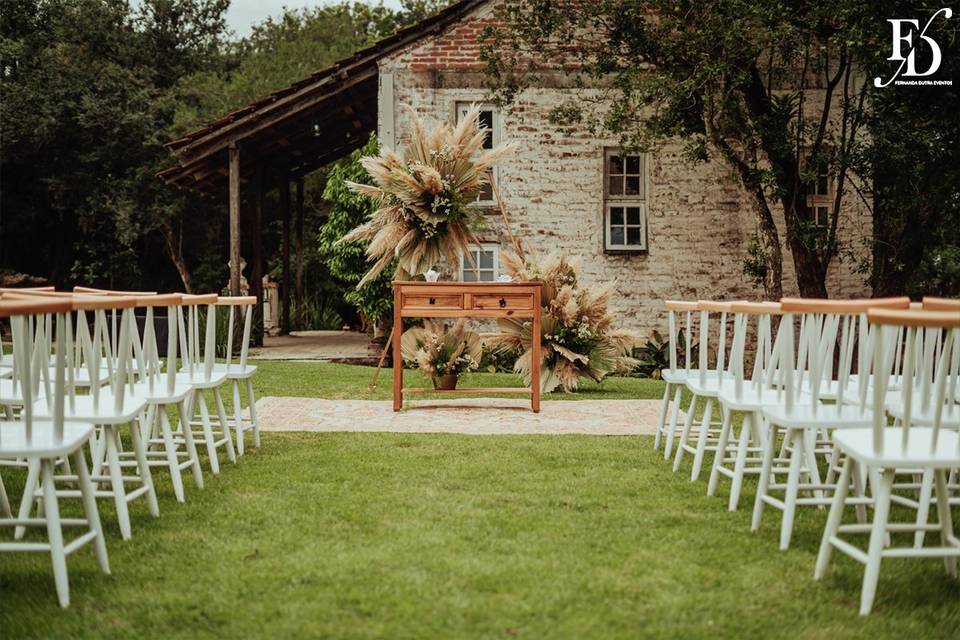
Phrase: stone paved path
(477,416)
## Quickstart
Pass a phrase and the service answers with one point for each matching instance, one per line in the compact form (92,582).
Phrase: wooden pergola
(278,140)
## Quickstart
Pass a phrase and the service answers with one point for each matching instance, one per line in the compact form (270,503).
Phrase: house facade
(655,225)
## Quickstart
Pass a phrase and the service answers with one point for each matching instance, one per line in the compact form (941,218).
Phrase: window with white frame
(624,201)
(485,264)
(820,193)
(490,120)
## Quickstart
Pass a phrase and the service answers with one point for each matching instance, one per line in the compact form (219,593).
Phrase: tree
(773,87)
(348,261)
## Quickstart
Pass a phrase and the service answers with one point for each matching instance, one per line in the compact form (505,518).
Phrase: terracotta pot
(446,382)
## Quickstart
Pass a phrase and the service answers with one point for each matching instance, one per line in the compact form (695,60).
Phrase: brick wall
(699,222)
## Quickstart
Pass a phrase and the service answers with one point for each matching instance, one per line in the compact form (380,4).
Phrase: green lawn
(329,380)
(442,536)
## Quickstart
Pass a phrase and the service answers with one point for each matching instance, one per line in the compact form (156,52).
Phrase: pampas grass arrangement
(439,349)
(577,334)
(423,198)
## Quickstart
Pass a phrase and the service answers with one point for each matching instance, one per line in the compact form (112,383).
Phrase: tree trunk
(773,256)
(807,264)
(172,245)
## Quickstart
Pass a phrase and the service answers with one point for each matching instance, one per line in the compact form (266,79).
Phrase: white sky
(242,14)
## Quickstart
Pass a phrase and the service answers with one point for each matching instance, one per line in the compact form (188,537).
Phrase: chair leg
(55,533)
(90,509)
(721,453)
(185,409)
(173,462)
(810,456)
(793,487)
(740,463)
(878,537)
(766,467)
(252,406)
(225,425)
(207,433)
(946,521)
(923,505)
(662,418)
(833,519)
(4,501)
(27,499)
(146,476)
(674,416)
(237,416)
(116,482)
(685,433)
(702,440)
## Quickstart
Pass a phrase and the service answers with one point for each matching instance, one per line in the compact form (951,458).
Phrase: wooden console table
(466,300)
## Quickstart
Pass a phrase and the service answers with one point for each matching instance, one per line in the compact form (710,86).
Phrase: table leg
(397,357)
(535,360)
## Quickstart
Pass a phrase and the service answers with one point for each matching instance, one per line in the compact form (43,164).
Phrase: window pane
(633,185)
(486,120)
(633,235)
(616,185)
(616,235)
(468,274)
(486,260)
(822,187)
(633,165)
(633,215)
(616,165)
(486,276)
(616,215)
(823,216)
(486,193)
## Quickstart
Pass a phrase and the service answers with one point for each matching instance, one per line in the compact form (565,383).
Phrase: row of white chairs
(847,403)
(81,371)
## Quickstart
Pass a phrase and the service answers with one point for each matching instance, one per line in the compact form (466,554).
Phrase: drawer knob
(503,302)
(433,301)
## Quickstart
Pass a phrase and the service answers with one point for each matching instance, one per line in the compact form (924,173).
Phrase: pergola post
(299,264)
(285,288)
(234,160)
(256,269)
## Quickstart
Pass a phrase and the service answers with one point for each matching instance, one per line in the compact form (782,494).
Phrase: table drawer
(425,301)
(504,301)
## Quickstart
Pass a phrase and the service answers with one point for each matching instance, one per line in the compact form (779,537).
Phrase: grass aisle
(413,536)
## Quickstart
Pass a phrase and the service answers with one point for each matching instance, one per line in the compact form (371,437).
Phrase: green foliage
(755,264)
(654,355)
(348,261)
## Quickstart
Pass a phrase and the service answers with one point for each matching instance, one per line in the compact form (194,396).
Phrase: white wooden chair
(738,455)
(240,372)
(675,377)
(803,417)
(109,408)
(174,450)
(198,369)
(882,450)
(44,442)
(704,384)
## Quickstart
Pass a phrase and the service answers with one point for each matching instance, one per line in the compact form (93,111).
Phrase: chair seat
(83,409)
(197,381)
(950,417)
(13,439)
(235,372)
(159,395)
(10,394)
(709,386)
(679,376)
(751,398)
(918,452)
(832,416)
